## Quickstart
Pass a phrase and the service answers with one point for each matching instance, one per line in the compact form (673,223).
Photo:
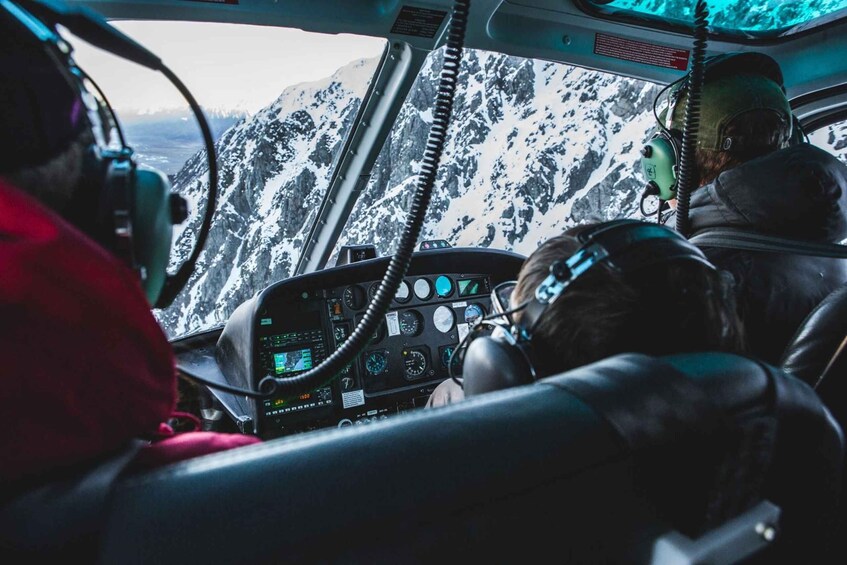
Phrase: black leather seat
(591,465)
(817,355)
(816,341)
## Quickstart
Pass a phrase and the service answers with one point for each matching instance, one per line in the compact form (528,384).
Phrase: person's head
(57,130)
(744,114)
(44,128)
(670,307)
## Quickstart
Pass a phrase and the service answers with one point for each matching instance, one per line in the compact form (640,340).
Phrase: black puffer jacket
(799,193)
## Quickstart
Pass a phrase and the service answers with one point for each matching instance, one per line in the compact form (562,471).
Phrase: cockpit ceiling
(565,31)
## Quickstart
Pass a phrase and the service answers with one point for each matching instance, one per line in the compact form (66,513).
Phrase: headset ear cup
(658,163)
(152,224)
(491,363)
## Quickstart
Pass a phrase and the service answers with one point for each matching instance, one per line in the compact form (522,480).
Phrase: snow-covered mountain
(273,172)
(534,147)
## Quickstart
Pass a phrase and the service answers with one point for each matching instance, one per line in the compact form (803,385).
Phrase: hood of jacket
(799,192)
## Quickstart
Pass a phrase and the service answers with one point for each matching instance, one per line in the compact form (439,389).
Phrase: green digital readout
(470,287)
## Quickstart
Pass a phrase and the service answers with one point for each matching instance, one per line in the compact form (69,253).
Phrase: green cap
(734,84)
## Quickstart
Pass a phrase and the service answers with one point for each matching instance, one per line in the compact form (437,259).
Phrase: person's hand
(448,392)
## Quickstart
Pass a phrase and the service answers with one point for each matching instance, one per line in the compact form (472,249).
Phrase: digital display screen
(314,399)
(470,287)
(292,361)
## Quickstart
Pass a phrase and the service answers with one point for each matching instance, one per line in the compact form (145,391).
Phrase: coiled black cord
(687,175)
(399,265)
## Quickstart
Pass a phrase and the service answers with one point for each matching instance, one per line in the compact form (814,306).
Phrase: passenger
(757,174)
(675,305)
(86,367)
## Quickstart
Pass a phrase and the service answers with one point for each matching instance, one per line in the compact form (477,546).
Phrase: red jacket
(85,365)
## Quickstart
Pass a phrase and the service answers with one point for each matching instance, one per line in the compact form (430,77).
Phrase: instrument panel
(405,359)
(292,326)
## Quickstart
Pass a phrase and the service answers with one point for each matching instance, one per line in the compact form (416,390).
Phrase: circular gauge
(473,313)
(445,355)
(372,291)
(411,322)
(354,297)
(404,293)
(376,362)
(443,318)
(443,286)
(423,289)
(415,363)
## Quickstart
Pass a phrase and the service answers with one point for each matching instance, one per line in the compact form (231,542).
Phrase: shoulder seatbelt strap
(59,514)
(731,238)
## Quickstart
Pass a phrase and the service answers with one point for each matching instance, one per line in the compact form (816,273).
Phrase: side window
(534,147)
(833,139)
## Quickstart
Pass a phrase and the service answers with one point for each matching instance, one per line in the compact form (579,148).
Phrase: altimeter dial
(414,363)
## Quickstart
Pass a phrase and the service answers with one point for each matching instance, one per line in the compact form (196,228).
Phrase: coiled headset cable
(691,125)
(399,265)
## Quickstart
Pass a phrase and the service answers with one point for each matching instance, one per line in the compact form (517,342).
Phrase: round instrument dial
(354,297)
(415,363)
(443,286)
(376,362)
(411,322)
(423,289)
(473,313)
(372,291)
(443,318)
(404,293)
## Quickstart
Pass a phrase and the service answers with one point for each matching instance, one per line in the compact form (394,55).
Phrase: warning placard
(420,22)
(641,52)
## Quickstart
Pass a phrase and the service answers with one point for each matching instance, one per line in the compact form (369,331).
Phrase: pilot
(756,173)
(653,298)
(86,367)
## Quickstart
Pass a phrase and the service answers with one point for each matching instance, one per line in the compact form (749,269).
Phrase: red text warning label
(641,52)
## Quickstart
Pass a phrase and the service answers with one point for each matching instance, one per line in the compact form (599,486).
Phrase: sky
(225,66)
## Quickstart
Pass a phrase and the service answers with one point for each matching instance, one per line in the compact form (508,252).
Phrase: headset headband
(623,245)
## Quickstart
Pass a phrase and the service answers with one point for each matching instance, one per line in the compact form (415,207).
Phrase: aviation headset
(127,208)
(505,358)
(661,155)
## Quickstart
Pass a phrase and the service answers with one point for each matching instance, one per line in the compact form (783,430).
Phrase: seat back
(818,355)
(591,465)
(817,340)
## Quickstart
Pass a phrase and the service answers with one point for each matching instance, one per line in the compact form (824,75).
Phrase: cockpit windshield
(534,147)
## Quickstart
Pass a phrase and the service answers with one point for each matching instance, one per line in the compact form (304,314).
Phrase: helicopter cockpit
(369,176)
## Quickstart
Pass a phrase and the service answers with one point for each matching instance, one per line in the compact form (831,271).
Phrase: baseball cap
(734,83)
